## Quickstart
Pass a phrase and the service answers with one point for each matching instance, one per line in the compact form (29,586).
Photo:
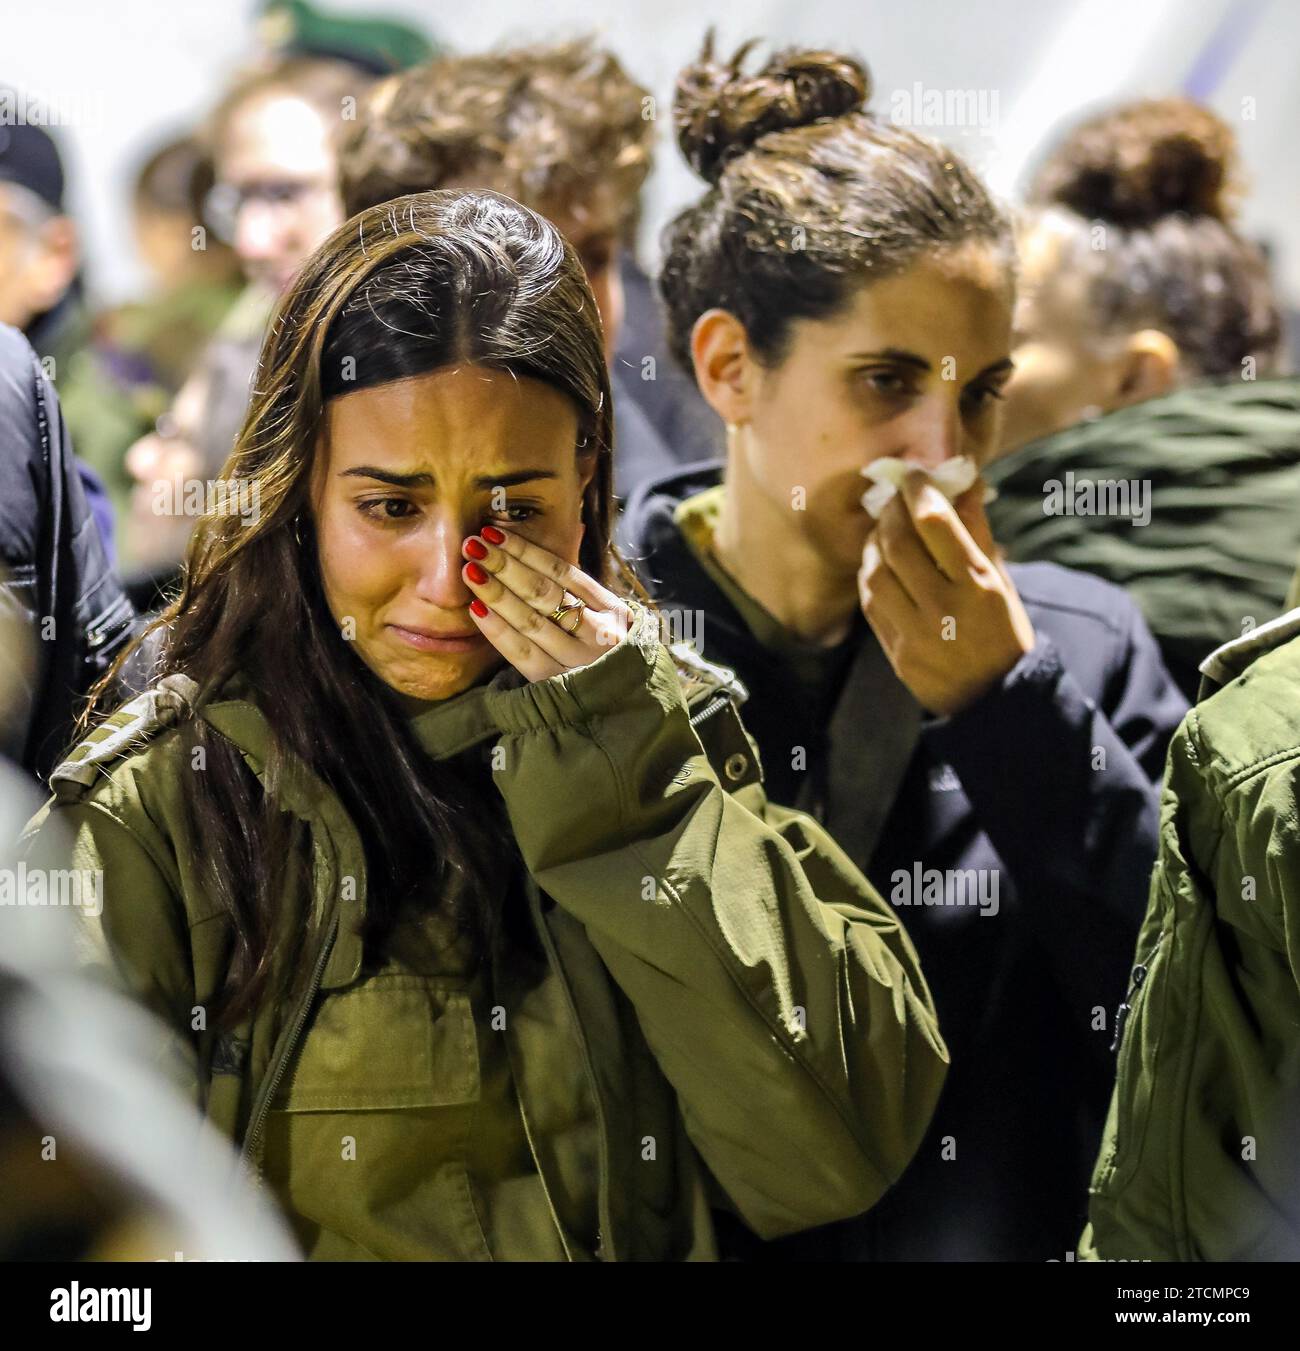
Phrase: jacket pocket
(396,1040)
(1138,1025)
(368,1142)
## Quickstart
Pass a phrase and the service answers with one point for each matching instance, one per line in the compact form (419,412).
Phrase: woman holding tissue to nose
(981,739)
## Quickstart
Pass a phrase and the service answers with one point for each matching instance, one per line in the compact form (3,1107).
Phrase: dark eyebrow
(911,359)
(384,476)
(893,354)
(997,368)
(486,482)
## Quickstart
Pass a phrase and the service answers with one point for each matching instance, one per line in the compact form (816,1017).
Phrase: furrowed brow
(490,481)
(387,476)
(485,482)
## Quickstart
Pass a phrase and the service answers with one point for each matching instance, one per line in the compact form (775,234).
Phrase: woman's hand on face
(518,589)
(939,600)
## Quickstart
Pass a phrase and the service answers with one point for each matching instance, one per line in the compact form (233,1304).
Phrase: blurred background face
(1067,371)
(163,241)
(276,196)
(38,256)
(1063,371)
(404,473)
(912,368)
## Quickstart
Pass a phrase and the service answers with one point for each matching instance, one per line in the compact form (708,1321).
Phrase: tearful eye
(517,513)
(387,509)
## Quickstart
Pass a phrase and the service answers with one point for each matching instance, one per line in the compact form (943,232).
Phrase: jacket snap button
(735,766)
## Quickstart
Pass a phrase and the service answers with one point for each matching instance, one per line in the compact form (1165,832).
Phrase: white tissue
(952,478)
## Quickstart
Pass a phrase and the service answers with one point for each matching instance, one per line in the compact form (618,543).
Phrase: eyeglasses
(225,201)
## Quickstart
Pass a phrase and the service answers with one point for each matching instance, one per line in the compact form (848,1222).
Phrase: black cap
(29,157)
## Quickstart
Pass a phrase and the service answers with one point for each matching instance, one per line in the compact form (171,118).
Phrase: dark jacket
(55,580)
(1218,468)
(1046,783)
(103,414)
(661,421)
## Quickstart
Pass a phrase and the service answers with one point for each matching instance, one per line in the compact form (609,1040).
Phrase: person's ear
(586,471)
(1148,367)
(587,463)
(56,264)
(724,367)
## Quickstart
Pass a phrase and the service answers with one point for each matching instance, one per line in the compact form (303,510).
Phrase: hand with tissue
(932,587)
(952,477)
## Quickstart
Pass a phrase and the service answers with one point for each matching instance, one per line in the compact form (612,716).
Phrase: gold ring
(563,609)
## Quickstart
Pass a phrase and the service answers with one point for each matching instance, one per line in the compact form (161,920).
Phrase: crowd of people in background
(562,776)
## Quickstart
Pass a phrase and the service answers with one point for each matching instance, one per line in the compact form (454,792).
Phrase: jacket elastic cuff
(575,697)
(1034,674)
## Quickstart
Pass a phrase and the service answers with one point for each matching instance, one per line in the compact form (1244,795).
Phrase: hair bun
(719,111)
(1135,164)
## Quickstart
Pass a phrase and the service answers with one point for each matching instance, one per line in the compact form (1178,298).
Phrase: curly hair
(1160,179)
(545,125)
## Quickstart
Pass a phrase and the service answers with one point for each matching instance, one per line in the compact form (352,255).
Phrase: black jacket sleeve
(1065,782)
(55,581)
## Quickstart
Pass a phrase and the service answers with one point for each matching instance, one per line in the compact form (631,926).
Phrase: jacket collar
(454,725)
(661,555)
(1226,663)
(443,729)
(752,641)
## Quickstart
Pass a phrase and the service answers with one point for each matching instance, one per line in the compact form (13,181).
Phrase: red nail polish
(476,548)
(479,608)
(476,574)
(492,535)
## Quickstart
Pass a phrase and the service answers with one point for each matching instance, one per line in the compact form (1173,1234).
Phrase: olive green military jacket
(1189,502)
(1199,1160)
(722,1012)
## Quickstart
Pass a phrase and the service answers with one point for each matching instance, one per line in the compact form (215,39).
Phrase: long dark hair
(406,288)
